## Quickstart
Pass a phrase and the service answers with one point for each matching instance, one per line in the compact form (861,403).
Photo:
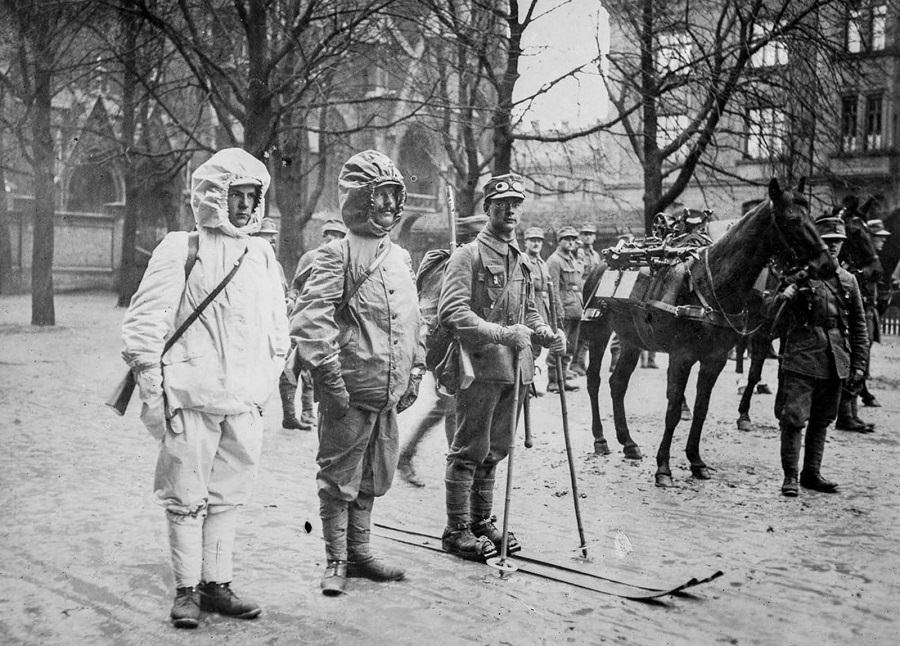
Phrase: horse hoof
(686,415)
(701,473)
(632,452)
(664,480)
(744,423)
(601,447)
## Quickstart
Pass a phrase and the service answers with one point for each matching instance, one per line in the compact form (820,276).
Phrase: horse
(717,285)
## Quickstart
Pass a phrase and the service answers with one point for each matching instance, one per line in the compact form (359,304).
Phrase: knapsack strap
(363,278)
(206,301)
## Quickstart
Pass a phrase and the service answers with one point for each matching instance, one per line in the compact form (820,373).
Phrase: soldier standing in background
(332,229)
(566,272)
(591,259)
(540,278)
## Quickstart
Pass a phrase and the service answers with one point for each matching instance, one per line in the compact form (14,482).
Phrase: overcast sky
(557,42)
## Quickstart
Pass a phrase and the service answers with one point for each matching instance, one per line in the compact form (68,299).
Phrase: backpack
(429,280)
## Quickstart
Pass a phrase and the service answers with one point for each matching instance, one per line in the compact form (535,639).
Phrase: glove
(516,336)
(150,390)
(150,383)
(855,381)
(408,398)
(558,344)
(789,292)
(330,389)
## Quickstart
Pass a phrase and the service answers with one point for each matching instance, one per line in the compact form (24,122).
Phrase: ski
(553,571)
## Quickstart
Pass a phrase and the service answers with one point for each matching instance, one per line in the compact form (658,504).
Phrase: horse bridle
(782,239)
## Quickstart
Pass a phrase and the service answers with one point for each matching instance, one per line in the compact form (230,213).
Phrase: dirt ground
(84,560)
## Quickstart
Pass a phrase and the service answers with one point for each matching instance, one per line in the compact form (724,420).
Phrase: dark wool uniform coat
(476,277)
(566,272)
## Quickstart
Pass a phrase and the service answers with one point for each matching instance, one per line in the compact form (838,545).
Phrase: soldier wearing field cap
(822,328)
(870,288)
(540,273)
(332,229)
(487,302)
(565,273)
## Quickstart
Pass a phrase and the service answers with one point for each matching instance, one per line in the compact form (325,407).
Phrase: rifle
(465,361)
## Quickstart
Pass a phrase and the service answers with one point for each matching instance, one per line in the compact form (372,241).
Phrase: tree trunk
(652,157)
(502,119)
(42,308)
(129,272)
(290,195)
(259,125)
(8,282)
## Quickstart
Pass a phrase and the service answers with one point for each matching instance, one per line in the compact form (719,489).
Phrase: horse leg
(618,385)
(597,334)
(676,381)
(710,368)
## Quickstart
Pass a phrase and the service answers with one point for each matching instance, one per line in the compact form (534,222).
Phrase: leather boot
(810,478)
(360,562)
(287,390)
(334,515)
(457,537)
(846,421)
(219,597)
(185,611)
(407,471)
(481,502)
(791,439)
(854,410)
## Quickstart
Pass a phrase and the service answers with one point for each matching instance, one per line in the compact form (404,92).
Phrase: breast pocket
(494,284)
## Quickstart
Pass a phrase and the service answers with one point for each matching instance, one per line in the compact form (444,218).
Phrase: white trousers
(206,468)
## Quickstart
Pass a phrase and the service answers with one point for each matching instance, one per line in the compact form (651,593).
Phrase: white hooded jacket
(229,359)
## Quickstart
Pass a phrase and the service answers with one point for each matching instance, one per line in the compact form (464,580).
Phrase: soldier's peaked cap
(507,185)
(567,232)
(588,228)
(831,228)
(532,233)
(876,228)
(334,226)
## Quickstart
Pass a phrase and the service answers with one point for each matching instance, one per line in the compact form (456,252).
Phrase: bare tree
(46,54)
(689,80)
(266,67)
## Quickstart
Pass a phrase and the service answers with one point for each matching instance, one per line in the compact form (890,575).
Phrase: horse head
(859,251)
(797,243)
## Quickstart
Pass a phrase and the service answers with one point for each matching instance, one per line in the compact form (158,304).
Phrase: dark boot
(651,360)
(334,580)
(360,562)
(218,597)
(458,538)
(791,439)
(307,413)
(334,515)
(460,541)
(854,410)
(287,391)
(810,478)
(481,503)
(186,608)
(846,421)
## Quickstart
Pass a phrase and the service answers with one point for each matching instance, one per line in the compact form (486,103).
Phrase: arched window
(90,187)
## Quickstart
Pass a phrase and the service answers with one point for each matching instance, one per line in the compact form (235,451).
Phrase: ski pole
(503,563)
(565,421)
